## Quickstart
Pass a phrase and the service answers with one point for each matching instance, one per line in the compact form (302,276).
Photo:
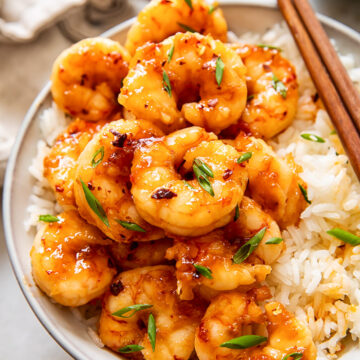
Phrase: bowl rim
(41,315)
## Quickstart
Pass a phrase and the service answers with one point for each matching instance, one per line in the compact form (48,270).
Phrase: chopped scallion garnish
(304,192)
(152,331)
(203,270)
(244,342)
(312,137)
(345,236)
(219,70)
(133,309)
(94,161)
(48,218)
(279,86)
(130,226)
(247,249)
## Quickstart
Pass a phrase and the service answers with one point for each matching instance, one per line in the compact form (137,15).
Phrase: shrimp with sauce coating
(215,251)
(163,18)
(193,207)
(86,78)
(104,168)
(175,320)
(139,254)
(234,314)
(60,164)
(187,77)
(274,183)
(272,92)
(70,262)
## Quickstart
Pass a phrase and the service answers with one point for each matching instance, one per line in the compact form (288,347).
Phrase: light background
(24,69)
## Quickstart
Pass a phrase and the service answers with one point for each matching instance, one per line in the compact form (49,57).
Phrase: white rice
(314,278)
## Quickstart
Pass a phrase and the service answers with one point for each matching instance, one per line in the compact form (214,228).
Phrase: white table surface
(24,69)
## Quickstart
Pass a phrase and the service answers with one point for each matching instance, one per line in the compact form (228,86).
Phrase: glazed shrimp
(161,19)
(139,254)
(273,182)
(60,164)
(70,262)
(216,250)
(234,314)
(164,199)
(272,91)
(175,320)
(170,90)
(86,78)
(104,168)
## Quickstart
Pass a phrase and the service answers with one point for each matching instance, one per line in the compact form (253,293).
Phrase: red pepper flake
(59,188)
(227,174)
(116,287)
(163,194)
(119,138)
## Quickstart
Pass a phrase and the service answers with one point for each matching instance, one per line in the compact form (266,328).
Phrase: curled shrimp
(104,169)
(86,78)
(60,164)
(175,320)
(215,251)
(163,18)
(232,315)
(70,262)
(139,254)
(274,183)
(170,90)
(272,92)
(193,207)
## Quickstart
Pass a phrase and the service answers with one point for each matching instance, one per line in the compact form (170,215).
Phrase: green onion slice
(189,3)
(272,47)
(130,349)
(274,240)
(130,226)
(212,8)
(244,157)
(304,192)
(345,236)
(171,53)
(133,309)
(203,179)
(219,70)
(237,212)
(166,83)
(312,137)
(94,162)
(48,218)
(152,331)
(188,185)
(203,167)
(247,249)
(203,270)
(94,204)
(244,342)
(250,97)
(294,356)
(186,28)
(279,86)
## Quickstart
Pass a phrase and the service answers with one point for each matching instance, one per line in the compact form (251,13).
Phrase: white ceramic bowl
(242,16)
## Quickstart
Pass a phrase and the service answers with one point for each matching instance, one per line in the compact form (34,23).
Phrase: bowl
(71,334)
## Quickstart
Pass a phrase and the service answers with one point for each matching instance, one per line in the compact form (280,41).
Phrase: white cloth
(21,20)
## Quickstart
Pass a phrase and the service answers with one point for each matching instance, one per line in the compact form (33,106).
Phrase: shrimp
(273,182)
(163,18)
(86,78)
(70,262)
(175,320)
(140,254)
(60,164)
(272,92)
(104,171)
(193,207)
(216,250)
(234,314)
(175,81)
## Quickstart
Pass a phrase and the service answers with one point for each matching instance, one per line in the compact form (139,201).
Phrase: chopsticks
(321,65)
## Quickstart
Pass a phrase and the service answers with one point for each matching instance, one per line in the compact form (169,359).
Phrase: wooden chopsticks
(321,65)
